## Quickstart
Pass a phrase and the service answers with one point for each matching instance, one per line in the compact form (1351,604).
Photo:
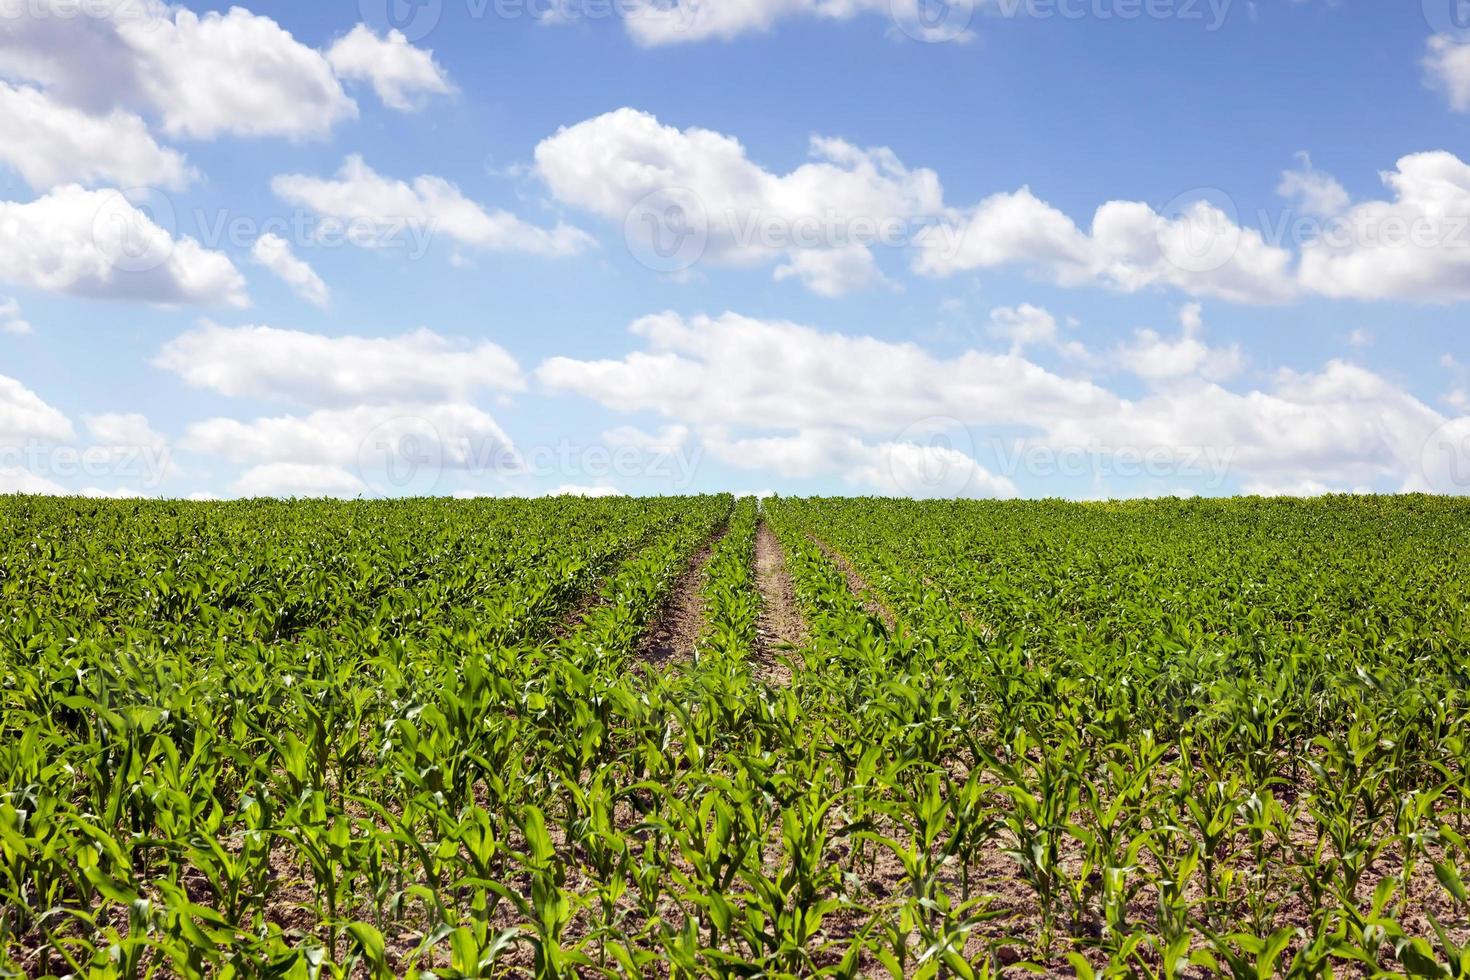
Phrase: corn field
(425,738)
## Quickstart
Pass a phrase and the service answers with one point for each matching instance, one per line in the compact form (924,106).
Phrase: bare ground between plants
(682,620)
(781,624)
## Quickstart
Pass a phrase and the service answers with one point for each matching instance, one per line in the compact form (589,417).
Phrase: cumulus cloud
(132,448)
(400,73)
(1315,192)
(97,244)
(1201,251)
(313,369)
(203,76)
(449,435)
(927,468)
(24,415)
(711,371)
(1024,326)
(819,402)
(297,480)
(122,429)
(1157,358)
(427,205)
(238,73)
(652,23)
(822,221)
(1447,68)
(49,143)
(1341,426)
(1414,247)
(274,253)
(822,218)
(16,479)
(892,417)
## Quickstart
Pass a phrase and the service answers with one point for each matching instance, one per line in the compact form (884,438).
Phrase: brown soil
(781,623)
(859,586)
(682,621)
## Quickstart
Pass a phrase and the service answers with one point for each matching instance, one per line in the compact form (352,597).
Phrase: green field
(697,737)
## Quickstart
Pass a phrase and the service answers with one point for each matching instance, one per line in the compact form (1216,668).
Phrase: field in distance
(701,737)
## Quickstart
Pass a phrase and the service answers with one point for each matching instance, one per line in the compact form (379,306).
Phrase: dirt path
(681,622)
(859,586)
(781,622)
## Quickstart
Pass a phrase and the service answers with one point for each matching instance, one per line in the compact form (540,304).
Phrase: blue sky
(1034,321)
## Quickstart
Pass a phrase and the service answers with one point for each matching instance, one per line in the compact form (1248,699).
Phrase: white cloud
(97,244)
(120,430)
(25,416)
(823,219)
(235,73)
(274,252)
(1201,250)
(1447,68)
(49,143)
(668,437)
(1415,247)
(822,403)
(797,402)
(10,318)
(576,490)
(1316,193)
(14,479)
(238,73)
(1157,358)
(652,23)
(399,72)
(313,369)
(453,435)
(832,272)
(297,480)
(716,371)
(1342,426)
(429,205)
(1023,325)
(820,218)
(891,468)
(1291,488)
